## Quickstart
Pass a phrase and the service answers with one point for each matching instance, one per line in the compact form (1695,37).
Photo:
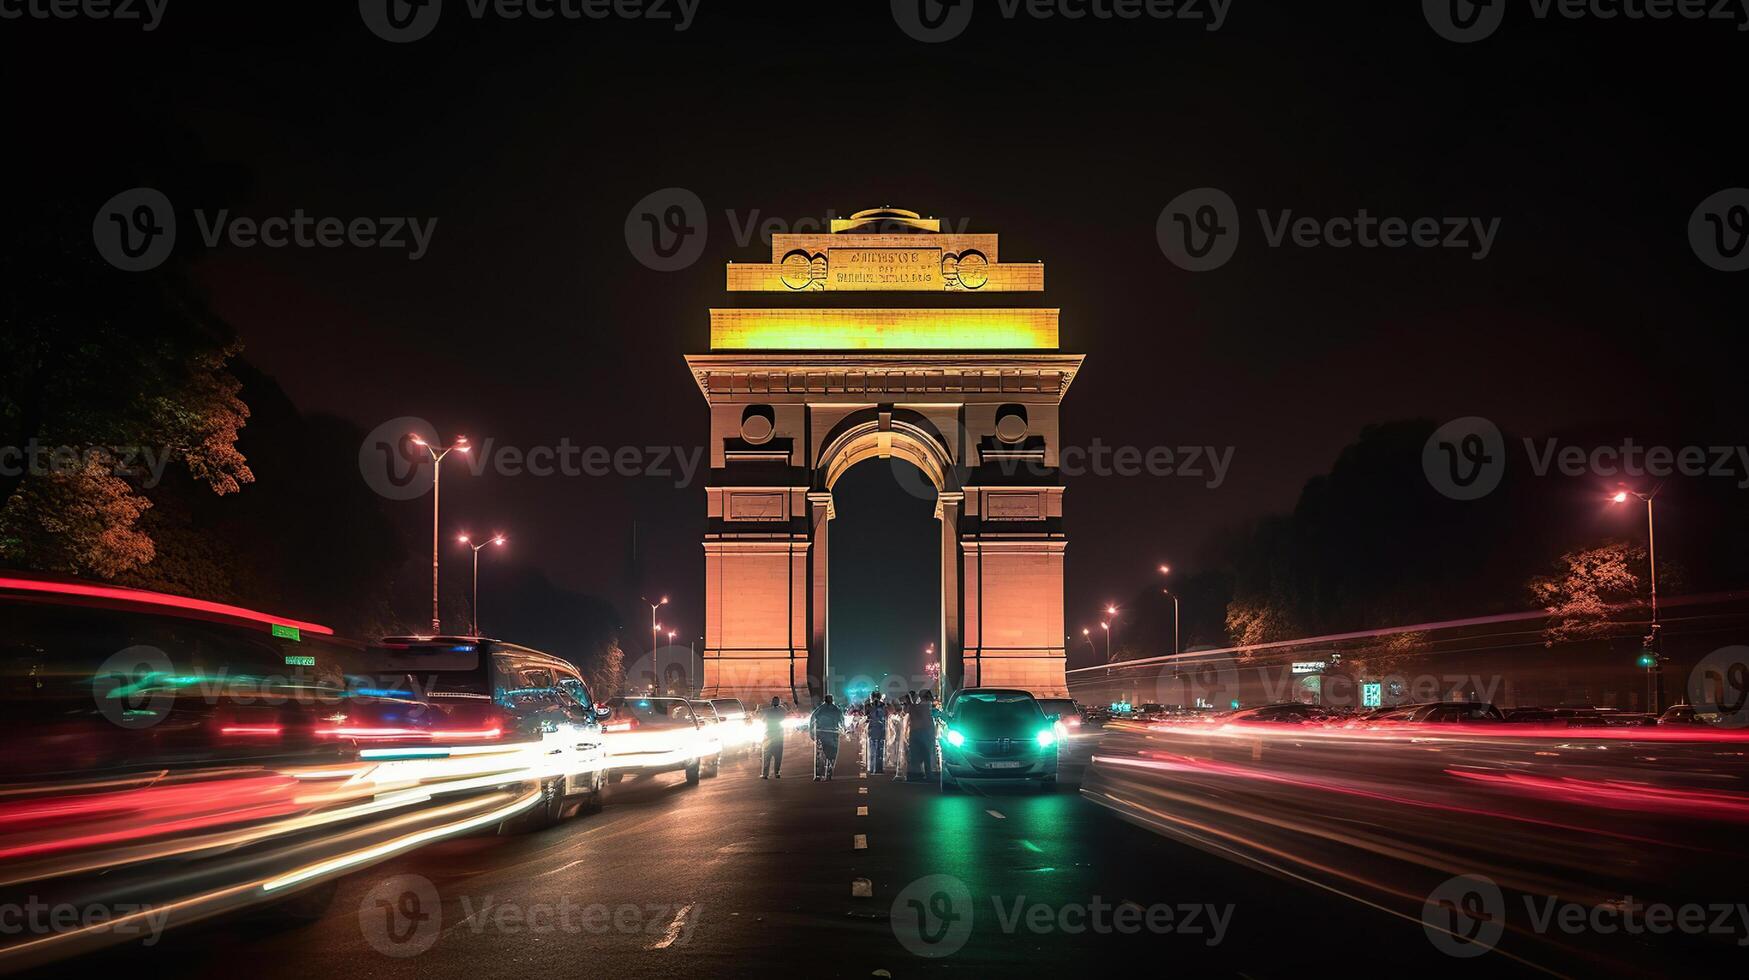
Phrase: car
(650,735)
(1684,714)
(997,734)
(1559,717)
(1149,711)
(739,732)
(715,730)
(1070,720)
(484,691)
(1439,713)
(1284,713)
(100,681)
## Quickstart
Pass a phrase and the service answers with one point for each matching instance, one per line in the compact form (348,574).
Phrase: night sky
(530,322)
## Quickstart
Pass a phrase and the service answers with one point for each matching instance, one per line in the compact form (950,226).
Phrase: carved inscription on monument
(883,268)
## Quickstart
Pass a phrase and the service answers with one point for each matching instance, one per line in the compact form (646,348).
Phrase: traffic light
(1648,659)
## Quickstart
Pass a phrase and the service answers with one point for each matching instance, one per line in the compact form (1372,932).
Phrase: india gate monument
(883,337)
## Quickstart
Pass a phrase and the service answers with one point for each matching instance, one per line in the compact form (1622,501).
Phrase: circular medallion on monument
(796,270)
(974,269)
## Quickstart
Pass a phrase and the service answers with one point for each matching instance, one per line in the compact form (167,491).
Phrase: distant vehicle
(1069,718)
(1684,714)
(1440,713)
(1559,717)
(480,690)
(1150,711)
(997,734)
(715,729)
(739,732)
(1287,712)
(653,735)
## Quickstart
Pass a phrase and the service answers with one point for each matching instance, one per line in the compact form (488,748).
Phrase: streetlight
(497,539)
(1167,570)
(1107,628)
(459,446)
(655,675)
(1654,677)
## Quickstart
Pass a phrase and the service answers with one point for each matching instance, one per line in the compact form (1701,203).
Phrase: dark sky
(530,321)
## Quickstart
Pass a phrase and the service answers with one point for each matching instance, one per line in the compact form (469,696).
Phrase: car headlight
(1046,738)
(954,738)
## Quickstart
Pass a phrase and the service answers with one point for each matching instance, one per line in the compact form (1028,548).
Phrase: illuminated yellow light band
(901,329)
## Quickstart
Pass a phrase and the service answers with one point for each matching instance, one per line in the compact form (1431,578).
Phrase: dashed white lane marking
(859,842)
(861,888)
(996,814)
(674,928)
(862,811)
(862,791)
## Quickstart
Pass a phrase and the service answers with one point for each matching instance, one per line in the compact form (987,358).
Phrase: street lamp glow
(1165,569)
(497,539)
(1621,497)
(459,445)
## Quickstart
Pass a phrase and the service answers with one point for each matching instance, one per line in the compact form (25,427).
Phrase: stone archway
(969,394)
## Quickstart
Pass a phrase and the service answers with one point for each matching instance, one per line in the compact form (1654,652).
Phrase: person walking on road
(896,756)
(825,725)
(921,723)
(771,759)
(875,716)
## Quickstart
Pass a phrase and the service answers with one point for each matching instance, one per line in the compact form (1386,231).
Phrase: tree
(1587,587)
(110,378)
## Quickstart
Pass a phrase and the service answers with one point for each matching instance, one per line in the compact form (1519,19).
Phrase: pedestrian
(771,759)
(921,724)
(896,736)
(826,724)
(875,714)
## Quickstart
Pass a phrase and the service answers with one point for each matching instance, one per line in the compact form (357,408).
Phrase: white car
(653,735)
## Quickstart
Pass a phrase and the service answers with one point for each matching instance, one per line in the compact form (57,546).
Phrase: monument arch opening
(966,388)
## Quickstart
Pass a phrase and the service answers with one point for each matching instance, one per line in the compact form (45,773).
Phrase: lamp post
(1110,626)
(1167,570)
(1107,628)
(655,673)
(497,539)
(459,446)
(1654,671)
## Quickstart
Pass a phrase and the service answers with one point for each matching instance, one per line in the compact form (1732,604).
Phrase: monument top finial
(885,220)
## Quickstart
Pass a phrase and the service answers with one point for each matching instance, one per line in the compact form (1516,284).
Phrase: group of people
(901,735)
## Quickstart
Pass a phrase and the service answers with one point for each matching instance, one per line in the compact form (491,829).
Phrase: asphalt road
(741,877)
